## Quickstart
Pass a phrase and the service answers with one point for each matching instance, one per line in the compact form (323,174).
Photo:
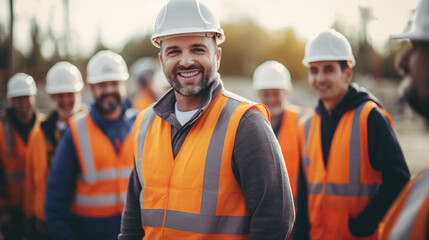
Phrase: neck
(330,104)
(25,119)
(115,115)
(188,103)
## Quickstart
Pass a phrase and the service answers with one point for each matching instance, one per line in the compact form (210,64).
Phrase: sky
(118,21)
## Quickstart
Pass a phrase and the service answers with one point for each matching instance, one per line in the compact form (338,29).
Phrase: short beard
(108,107)
(208,75)
(420,105)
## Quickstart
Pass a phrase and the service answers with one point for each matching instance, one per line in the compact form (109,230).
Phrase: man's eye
(199,50)
(173,52)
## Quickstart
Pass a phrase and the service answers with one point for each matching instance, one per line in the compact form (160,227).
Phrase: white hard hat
(63,77)
(329,46)
(106,66)
(186,17)
(420,28)
(20,85)
(142,66)
(271,75)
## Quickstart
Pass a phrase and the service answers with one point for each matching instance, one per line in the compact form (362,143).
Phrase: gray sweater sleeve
(259,167)
(131,226)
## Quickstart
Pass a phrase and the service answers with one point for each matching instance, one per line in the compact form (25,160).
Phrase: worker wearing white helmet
(15,126)
(408,216)
(219,171)
(64,84)
(352,166)
(89,175)
(142,71)
(273,86)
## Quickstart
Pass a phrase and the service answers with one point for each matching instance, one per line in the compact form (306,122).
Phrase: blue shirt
(61,186)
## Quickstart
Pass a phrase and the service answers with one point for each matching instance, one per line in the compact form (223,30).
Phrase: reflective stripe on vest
(404,224)
(354,188)
(91,176)
(206,222)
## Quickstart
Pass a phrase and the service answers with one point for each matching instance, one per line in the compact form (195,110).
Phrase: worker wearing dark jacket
(15,127)
(88,178)
(64,84)
(207,163)
(352,166)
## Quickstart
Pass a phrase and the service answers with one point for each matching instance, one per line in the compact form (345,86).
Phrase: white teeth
(188,75)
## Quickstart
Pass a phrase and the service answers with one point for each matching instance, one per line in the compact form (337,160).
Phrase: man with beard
(408,218)
(15,126)
(352,167)
(89,175)
(272,82)
(64,84)
(207,163)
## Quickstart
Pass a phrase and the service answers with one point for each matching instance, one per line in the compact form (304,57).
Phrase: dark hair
(343,65)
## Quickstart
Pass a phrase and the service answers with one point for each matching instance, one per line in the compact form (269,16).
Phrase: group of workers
(199,162)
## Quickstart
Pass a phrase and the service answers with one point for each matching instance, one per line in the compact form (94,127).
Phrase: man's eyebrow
(199,45)
(171,48)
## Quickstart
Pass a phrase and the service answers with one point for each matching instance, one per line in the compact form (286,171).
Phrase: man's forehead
(324,64)
(185,41)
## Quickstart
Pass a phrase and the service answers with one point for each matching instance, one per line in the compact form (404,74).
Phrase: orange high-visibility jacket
(36,174)
(409,215)
(13,150)
(195,195)
(347,184)
(288,139)
(142,101)
(102,185)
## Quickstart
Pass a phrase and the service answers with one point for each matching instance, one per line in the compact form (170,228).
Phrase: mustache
(104,96)
(192,67)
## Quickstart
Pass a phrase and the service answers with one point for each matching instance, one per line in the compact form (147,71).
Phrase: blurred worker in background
(408,218)
(207,163)
(20,117)
(88,179)
(143,70)
(160,83)
(352,166)
(272,82)
(64,85)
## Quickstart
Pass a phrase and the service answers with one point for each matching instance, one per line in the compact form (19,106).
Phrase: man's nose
(186,59)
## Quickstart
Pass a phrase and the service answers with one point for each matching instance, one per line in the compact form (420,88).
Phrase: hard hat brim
(411,36)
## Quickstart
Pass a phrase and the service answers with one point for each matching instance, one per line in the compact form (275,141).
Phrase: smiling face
(67,103)
(24,107)
(329,82)
(108,96)
(190,63)
(274,100)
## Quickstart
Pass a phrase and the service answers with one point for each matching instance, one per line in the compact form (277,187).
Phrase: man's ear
(218,57)
(160,58)
(349,74)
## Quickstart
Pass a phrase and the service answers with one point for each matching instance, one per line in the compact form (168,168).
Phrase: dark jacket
(385,155)
(257,164)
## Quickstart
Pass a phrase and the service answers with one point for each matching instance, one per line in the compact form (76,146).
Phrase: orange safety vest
(142,101)
(102,185)
(13,150)
(37,174)
(195,195)
(408,216)
(288,139)
(347,184)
